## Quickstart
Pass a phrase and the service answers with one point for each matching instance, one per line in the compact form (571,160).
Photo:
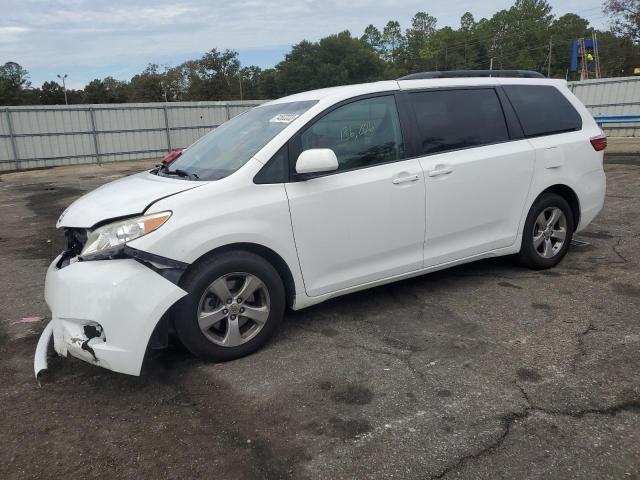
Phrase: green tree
(564,30)
(467,34)
(618,55)
(217,76)
(519,37)
(268,84)
(334,60)
(149,86)
(373,38)
(625,18)
(108,90)
(14,80)
(393,42)
(51,93)
(514,38)
(419,42)
(251,82)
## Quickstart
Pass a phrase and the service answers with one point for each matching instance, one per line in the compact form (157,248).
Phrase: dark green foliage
(334,60)
(515,38)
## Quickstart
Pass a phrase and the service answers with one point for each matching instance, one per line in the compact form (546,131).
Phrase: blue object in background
(576,53)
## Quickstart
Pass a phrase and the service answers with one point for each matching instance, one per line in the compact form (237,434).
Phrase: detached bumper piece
(104,311)
(40,358)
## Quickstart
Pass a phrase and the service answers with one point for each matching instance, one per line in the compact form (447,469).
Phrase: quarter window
(276,170)
(362,133)
(455,119)
(542,110)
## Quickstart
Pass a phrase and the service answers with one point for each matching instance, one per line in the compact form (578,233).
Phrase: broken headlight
(106,241)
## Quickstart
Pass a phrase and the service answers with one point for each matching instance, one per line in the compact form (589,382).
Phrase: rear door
(364,222)
(477,172)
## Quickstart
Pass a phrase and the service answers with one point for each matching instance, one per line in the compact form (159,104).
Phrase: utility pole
(596,54)
(164,91)
(64,87)
(549,61)
(493,51)
(240,78)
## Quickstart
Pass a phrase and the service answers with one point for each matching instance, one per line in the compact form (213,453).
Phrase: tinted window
(277,169)
(362,133)
(454,119)
(542,110)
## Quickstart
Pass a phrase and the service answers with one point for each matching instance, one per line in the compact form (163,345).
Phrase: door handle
(440,170)
(407,179)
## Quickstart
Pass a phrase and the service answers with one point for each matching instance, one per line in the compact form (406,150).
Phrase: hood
(126,196)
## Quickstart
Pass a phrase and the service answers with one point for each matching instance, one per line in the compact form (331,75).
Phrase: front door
(366,221)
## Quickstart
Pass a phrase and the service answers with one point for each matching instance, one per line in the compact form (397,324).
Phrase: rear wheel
(547,232)
(234,304)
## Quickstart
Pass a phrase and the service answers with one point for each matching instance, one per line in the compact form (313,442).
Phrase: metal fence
(612,97)
(42,136)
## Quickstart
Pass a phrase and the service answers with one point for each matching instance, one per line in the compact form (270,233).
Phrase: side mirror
(316,160)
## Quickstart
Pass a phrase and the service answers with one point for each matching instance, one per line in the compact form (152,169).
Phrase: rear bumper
(122,299)
(592,189)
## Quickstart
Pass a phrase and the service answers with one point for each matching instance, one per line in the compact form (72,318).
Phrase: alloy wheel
(233,309)
(549,232)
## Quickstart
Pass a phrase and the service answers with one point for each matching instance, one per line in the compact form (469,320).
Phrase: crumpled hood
(126,196)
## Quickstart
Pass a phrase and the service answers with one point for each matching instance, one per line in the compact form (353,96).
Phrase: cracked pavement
(486,370)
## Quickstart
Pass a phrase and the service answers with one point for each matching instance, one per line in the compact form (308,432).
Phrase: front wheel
(234,304)
(547,232)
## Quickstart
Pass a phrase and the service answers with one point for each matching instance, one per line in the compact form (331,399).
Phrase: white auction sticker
(284,118)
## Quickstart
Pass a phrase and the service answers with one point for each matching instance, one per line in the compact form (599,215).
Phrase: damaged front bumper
(104,312)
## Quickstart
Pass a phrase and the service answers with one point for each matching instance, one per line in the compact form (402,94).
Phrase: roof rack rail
(473,73)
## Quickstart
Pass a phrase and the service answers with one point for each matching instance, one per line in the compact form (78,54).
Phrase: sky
(89,39)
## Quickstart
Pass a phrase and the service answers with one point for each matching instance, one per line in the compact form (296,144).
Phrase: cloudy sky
(92,39)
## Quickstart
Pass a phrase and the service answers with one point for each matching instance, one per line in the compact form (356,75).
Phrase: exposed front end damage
(105,311)
(40,363)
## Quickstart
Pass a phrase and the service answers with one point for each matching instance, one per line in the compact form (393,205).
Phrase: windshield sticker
(284,118)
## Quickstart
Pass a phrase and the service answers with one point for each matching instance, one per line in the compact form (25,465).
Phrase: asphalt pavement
(483,371)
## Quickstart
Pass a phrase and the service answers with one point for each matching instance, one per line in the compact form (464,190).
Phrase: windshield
(231,145)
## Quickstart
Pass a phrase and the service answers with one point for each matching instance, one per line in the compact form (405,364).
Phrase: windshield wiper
(178,171)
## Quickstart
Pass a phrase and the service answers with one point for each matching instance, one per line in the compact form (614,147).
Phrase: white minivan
(317,195)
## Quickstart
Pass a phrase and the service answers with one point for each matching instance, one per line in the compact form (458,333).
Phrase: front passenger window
(362,133)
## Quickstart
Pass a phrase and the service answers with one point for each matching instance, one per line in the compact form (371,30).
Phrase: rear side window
(542,110)
(455,119)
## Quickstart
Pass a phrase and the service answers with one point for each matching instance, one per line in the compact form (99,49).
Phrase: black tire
(528,255)
(198,279)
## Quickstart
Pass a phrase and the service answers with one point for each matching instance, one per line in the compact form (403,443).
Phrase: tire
(233,334)
(545,250)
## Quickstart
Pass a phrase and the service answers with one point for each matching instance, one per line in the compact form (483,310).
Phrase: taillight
(599,143)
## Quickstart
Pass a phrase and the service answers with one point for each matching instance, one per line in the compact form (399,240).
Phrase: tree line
(526,36)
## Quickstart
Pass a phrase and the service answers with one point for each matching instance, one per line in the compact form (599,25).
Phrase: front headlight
(107,240)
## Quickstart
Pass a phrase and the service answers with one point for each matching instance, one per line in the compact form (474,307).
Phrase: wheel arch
(569,195)
(268,254)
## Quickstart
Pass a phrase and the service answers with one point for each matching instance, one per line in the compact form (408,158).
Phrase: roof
(345,91)
(336,94)
(473,74)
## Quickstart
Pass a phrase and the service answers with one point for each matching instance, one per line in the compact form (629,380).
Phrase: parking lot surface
(486,370)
